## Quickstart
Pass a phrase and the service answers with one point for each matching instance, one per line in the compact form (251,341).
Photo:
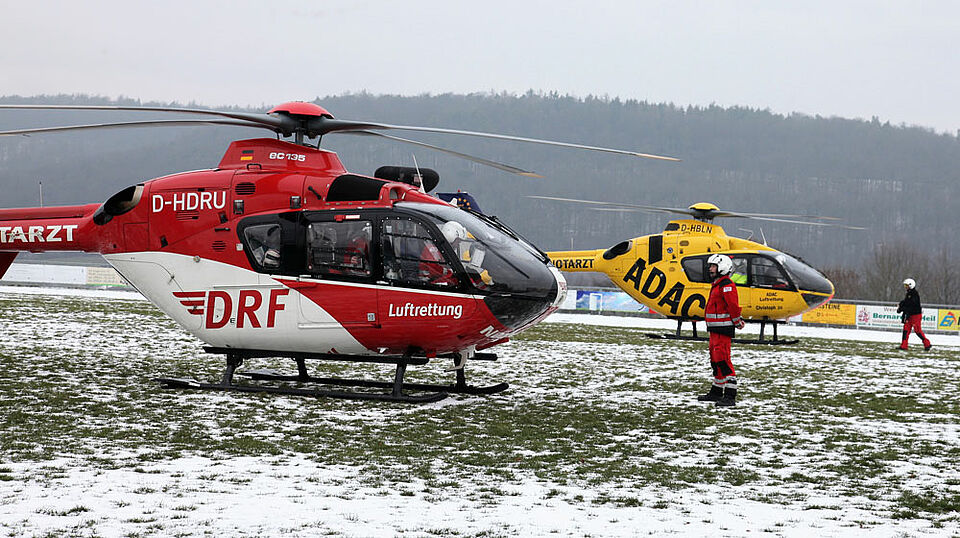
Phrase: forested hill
(900,182)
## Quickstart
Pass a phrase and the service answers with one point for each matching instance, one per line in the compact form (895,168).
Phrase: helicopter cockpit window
(494,260)
(767,274)
(264,244)
(339,248)
(805,277)
(411,256)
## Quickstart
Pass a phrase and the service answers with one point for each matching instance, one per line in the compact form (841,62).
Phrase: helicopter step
(435,392)
(775,341)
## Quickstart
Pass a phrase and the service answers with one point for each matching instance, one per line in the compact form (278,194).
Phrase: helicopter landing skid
(436,392)
(775,341)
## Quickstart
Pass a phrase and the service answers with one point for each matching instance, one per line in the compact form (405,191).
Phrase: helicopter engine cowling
(426,177)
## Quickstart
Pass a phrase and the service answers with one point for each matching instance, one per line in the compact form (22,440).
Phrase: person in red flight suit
(722,318)
(356,255)
(912,314)
(433,268)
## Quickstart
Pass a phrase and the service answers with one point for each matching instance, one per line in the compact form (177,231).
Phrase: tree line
(899,181)
(880,276)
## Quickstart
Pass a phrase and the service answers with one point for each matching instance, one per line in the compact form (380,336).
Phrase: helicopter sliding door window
(739,273)
(264,244)
(339,248)
(695,268)
(411,256)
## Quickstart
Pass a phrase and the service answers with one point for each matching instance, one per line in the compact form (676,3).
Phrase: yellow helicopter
(667,272)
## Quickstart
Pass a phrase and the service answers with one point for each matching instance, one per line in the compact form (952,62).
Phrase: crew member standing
(912,314)
(722,318)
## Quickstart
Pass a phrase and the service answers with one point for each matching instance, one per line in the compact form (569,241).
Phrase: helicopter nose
(543,294)
(816,290)
(561,287)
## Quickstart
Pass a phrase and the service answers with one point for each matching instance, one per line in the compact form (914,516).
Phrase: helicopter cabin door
(696,272)
(423,286)
(336,284)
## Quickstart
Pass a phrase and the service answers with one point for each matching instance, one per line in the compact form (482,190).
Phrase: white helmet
(453,230)
(723,262)
(910,283)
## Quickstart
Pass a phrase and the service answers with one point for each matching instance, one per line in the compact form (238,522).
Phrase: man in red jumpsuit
(723,318)
(912,314)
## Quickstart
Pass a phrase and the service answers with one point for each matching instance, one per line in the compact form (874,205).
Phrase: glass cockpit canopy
(495,261)
(804,277)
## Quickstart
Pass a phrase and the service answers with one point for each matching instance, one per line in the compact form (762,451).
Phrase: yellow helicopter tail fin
(577,260)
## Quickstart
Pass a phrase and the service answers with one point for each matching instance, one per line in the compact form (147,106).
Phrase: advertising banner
(46,274)
(608,301)
(886,317)
(947,320)
(832,314)
(570,301)
(104,276)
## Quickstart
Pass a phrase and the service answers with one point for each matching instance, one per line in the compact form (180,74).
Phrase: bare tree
(847,283)
(941,282)
(888,265)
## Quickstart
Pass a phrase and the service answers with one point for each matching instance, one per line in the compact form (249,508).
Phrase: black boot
(713,396)
(729,397)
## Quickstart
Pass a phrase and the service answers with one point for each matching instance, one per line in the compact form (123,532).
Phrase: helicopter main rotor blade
(277,122)
(479,160)
(287,124)
(828,224)
(619,205)
(120,125)
(755,216)
(326,125)
(701,214)
(770,215)
(322,125)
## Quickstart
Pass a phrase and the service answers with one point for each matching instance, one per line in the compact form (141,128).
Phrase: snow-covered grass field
(599,435)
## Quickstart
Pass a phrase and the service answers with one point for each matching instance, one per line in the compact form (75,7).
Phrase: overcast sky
(855,59)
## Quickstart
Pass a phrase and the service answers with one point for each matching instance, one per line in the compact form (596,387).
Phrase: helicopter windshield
(494,260)
(805,277)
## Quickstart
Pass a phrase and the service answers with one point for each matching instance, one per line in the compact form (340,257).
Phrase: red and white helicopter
(281,252)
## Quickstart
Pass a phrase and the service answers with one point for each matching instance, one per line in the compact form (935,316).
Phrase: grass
(593,409)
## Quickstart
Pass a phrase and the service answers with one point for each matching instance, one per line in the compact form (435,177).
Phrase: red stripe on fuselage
(398,319)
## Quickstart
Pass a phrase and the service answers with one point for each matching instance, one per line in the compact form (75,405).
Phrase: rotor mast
(296,116)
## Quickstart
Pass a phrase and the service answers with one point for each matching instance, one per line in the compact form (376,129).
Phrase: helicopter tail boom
(40,229)
(577,260)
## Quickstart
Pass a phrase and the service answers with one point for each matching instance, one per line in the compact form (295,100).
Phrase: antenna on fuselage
(417,179)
